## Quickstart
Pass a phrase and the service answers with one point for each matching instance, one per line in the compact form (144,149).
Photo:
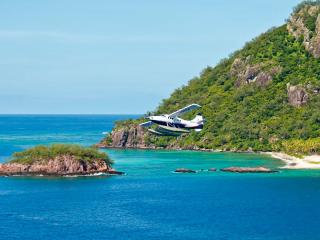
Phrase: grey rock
(297,95)
(248,170)
(184,170)
(298,28)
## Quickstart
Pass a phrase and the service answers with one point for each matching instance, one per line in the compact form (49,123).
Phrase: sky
(117,56)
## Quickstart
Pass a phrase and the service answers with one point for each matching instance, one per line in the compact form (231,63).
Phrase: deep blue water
(18,132)
(151,202)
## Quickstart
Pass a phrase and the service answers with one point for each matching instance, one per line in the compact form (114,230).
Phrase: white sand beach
(306,162)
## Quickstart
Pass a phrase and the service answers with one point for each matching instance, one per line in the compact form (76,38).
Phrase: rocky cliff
(304,24)
(135,136)
(132,136)
(62,165)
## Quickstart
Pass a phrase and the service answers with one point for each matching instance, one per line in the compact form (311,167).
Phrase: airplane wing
(184,110)
(146,124)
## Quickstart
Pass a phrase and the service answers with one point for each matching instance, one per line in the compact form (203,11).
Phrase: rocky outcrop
(297,95)
(246,73)
(115,172)
(59,166)
(184,170)
(134,136)
(248,170)
(305,24)
(131,136)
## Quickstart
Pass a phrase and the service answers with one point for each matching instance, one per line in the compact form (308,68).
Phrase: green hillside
(260,97)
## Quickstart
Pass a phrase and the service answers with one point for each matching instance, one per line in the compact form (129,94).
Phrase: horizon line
(1,114)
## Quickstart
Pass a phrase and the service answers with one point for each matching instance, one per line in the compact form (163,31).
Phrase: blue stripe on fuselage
(177,125)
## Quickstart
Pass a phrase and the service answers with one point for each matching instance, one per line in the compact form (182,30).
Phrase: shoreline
(291,162)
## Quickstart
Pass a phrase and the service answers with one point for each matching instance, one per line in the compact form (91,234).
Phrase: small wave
(87,175)
(36,218)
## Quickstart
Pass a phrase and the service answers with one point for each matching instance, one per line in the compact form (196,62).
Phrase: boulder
(297,95)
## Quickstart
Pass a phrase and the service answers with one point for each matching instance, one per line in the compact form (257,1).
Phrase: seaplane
(172,125)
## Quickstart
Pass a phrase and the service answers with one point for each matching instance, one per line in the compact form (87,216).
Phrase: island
(263,98)
(58,160)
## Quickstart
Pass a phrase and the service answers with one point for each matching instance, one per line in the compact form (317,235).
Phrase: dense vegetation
(298,146)
(304,3)
(45,153)
(250,116)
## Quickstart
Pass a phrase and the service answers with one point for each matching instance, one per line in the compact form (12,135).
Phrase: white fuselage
(166,120)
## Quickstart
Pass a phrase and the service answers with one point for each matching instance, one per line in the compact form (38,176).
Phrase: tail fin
(198,119)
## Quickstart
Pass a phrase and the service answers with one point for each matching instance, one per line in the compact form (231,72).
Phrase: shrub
(45,153)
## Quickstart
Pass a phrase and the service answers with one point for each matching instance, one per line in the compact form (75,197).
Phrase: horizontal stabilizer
(146,124)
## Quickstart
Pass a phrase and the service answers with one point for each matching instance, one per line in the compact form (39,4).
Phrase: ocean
(150,201)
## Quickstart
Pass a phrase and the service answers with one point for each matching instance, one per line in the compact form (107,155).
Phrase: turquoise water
(150,201)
